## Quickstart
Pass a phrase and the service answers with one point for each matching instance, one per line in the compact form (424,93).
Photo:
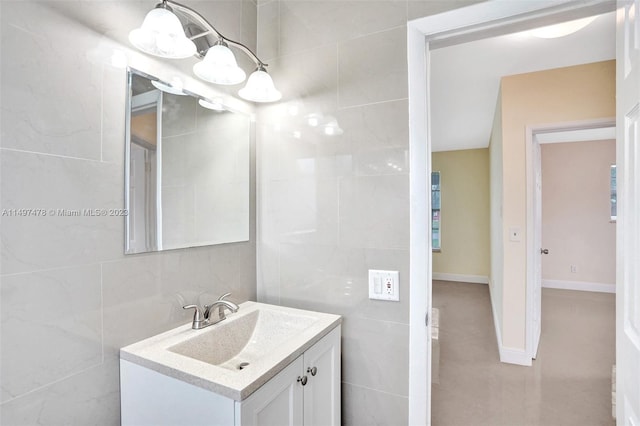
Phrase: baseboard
(477,279)
(579,285)
(507,355)
(495,321)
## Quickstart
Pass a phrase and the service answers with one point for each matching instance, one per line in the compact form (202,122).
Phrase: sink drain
(243,365)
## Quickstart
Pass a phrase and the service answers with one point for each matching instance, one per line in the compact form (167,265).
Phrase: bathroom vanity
(264,365)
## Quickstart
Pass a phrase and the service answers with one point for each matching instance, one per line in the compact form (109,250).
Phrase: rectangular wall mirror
(187,174)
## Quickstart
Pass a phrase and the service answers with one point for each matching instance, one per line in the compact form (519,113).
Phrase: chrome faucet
(202,320)
(221,304)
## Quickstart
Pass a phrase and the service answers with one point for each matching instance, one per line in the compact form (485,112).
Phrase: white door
(537,235)
(628,226)
(322,392)
(278,402)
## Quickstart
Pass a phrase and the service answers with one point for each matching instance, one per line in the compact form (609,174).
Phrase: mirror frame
(130,72)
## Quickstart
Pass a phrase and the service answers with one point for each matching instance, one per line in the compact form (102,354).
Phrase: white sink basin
(236,356)
(236,344)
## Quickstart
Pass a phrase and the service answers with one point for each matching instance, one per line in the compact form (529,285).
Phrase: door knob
(312,370)
(544,251)
(302,380)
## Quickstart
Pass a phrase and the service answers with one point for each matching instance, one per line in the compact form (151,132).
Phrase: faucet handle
(197,315)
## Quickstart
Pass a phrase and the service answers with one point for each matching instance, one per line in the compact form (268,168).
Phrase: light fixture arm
(209,29)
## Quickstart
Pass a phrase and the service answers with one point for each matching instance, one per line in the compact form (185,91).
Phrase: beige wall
(464,177)
(576,209)
(561,95)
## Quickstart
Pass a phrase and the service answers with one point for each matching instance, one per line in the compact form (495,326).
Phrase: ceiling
(465,78)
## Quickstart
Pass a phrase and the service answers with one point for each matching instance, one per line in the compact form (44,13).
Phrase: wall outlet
(384,285)
(574,269)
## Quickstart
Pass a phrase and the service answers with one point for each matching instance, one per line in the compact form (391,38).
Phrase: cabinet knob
(312,370)
(302,380)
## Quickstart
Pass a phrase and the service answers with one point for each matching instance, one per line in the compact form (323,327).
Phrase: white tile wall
(69,298)
(333,207)
(330,208)
(65,281)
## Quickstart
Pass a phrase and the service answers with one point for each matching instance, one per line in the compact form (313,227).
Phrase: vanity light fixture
(219,66)
(163,34)
(260,87)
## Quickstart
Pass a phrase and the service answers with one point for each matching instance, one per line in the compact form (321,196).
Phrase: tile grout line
(102,115)
(329,43)
(380,320)
(62,379)
(48,154)
(102,311)
(375,390)
(371,103)
(58,268)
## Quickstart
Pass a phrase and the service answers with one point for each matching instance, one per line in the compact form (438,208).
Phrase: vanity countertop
(275,336)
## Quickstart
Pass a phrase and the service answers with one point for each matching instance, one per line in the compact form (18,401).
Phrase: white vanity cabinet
(307,392)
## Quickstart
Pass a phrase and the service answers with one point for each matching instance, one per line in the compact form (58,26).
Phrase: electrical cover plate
(384,285)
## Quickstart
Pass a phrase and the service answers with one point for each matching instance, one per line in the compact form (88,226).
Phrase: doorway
(450,28)
(591,130)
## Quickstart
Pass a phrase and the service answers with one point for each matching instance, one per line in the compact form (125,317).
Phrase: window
(614,195)
(435,211)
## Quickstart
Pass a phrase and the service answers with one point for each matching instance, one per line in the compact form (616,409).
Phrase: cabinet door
(278,402)
(322,392)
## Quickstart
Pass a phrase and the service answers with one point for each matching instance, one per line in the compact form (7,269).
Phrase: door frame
(457,26)
(534,222)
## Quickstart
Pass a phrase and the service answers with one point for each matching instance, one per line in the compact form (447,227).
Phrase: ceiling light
(562,29)
(260,87)
(219,66)
(162,34)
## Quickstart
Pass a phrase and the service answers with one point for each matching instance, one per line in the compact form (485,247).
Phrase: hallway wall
(570,94)
(464,179)
(576,212)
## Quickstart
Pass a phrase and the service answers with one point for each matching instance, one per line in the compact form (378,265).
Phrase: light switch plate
(384,285)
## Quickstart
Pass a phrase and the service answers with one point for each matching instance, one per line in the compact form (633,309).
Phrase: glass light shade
(563,29)
(161,34)
(174,87)
(215,104)
(260,88)
(219,66)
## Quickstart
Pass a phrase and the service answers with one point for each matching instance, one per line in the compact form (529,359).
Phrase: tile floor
(568,384)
